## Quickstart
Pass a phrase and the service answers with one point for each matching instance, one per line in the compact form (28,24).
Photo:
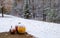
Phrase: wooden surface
(8,35)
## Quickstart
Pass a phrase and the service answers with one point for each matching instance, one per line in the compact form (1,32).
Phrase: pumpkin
(16,27)
(21,29)
(12,31)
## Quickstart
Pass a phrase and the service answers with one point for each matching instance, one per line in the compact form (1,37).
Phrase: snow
(39,29)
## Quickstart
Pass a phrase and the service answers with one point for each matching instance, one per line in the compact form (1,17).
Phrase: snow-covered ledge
(39,29)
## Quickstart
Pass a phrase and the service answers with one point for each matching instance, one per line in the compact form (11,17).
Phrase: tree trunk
(2,12)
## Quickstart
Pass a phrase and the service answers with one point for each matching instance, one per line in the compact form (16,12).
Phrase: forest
(41,10)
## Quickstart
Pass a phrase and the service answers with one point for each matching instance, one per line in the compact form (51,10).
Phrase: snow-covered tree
(51,15)
(26,11)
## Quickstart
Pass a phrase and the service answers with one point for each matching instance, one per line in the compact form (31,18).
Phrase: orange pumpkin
(21,29)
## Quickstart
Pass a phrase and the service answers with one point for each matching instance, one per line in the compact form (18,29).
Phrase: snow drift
(39,29)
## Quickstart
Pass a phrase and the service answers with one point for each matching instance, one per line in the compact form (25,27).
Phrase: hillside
(38,29)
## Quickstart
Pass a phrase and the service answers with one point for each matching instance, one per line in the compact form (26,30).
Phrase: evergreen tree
(26,11)
(51,15)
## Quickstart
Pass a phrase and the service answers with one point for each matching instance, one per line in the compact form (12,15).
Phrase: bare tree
(2,8)
(44,15)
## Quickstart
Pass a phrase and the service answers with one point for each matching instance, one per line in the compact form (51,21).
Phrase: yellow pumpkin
(21,29)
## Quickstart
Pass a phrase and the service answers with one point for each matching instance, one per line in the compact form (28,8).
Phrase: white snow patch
(39,29)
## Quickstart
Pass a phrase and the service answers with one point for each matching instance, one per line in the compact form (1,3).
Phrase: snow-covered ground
(39,29)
